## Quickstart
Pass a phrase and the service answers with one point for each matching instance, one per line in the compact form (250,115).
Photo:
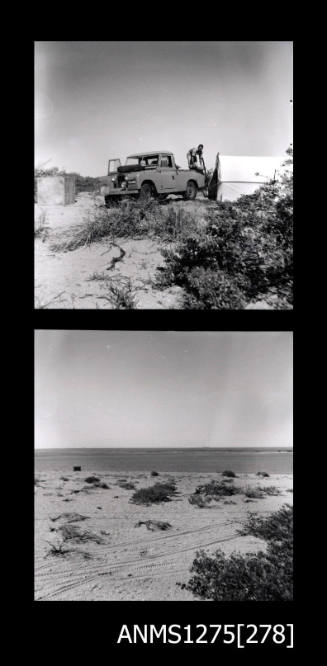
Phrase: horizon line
(90,448)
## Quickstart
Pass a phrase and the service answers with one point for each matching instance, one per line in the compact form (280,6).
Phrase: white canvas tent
(240,174)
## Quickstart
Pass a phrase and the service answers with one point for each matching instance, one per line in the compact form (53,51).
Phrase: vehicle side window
(166,161)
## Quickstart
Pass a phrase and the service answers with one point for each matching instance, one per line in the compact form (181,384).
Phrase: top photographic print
(163,175)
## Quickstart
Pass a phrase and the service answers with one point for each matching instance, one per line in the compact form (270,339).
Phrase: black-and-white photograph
(163,465)
(164,175)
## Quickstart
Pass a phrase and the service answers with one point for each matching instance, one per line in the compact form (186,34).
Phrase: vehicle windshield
(146,160)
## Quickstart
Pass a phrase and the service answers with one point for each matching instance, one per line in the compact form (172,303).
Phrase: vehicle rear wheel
(146,192)
(191,190)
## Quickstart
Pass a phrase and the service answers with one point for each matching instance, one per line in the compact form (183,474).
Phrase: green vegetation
(229,474)
(160,492)
(262,576)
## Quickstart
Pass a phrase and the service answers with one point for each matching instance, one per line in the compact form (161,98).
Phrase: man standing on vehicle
(195,158)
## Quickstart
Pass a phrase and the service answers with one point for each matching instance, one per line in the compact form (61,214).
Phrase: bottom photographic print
(163,466)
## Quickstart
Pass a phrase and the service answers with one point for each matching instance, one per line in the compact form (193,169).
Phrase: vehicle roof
(152,152)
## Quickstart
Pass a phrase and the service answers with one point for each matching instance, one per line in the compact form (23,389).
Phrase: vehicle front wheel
(110,201)
(146,192)
(191,190)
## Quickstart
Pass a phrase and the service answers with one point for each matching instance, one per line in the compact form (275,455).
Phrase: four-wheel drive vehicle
(150,174)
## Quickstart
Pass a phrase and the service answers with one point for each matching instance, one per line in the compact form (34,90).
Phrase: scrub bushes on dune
(244,252)
(262,576)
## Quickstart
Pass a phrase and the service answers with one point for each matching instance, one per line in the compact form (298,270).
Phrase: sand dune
(127,561)
(62,279)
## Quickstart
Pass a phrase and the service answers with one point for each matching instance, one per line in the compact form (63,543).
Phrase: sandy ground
(131,562)
(62,278)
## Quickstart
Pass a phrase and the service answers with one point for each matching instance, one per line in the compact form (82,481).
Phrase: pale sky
(162,388)
(101,100)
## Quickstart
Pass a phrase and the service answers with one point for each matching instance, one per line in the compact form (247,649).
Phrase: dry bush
(201,501)
(154,525)
(160,492)
(262,576)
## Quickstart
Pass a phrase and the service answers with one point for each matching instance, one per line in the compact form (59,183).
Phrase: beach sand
(129,562)
(62,279)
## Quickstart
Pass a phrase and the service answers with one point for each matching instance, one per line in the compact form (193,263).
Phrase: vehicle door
(113,166)
(168,173)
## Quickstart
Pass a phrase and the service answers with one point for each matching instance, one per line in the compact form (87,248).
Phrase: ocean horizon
(274,460)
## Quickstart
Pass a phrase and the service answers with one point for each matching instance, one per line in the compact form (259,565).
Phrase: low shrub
(271,490)
(243,253)
(276,527)
(127,485)
(92,479)
(216,489)
(120,295)
(160,492)
(57,549)
(254,493)
(229,474)
(263,474)
(153,473)
(201,501)
(264,576)
(154,525)
(73,533)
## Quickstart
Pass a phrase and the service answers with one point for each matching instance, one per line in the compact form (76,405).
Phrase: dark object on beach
(262,474)
(154,525)
(92,479)
(229,473)
(77,468)
(154,473)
